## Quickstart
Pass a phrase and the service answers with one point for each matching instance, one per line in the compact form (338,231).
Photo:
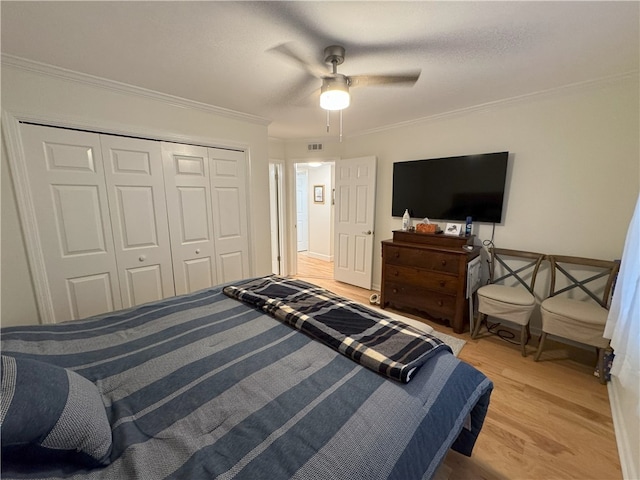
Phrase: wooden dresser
(428,272)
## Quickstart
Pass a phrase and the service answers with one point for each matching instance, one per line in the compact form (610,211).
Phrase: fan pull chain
(329,124)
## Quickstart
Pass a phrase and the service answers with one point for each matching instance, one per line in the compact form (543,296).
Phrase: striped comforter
(202,386)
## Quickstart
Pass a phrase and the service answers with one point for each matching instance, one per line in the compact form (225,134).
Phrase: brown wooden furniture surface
(428,273)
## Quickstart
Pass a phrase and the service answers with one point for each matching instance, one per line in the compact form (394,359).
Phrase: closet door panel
(198,274)
(88,295)
(78,219)
(143,284)
(136,192)
(229,190)
(188,191)
(67,187)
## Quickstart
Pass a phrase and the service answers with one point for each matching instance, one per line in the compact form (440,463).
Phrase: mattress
(203,386)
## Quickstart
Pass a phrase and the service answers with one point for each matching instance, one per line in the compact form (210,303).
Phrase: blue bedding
(203,386)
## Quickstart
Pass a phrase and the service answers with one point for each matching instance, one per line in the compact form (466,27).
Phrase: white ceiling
(218,53)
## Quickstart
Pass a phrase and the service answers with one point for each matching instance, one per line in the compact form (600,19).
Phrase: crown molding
(562,90)
(83,78)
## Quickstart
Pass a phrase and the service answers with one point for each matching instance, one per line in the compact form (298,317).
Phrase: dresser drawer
(439,282)
(415,257)
(407,295)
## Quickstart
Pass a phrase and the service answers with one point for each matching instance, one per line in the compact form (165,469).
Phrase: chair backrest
(566,267)
(522,266)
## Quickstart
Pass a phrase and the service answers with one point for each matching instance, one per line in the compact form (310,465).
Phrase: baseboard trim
(320,256)
(628,460)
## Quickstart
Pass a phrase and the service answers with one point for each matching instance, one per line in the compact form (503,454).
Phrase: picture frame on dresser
(453,229)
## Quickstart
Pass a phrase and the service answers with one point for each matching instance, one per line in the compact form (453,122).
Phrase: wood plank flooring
(547,420)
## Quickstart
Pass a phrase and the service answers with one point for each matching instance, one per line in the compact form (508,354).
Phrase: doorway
(314,219)
(276,213)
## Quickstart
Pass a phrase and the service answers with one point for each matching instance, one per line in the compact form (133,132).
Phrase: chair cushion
(584,311)
(513,304)
(51,414)
(512,295)
(576,320)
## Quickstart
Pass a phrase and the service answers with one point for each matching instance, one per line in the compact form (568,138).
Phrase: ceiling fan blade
(369,80)
(316,69)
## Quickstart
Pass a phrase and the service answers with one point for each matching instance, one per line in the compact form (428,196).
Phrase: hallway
(309,267)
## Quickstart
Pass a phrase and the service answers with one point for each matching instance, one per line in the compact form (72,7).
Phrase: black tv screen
(451,188)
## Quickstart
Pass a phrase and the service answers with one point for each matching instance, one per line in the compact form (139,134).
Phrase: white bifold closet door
(135,189)
(207,207)
(188,191)
(123,221)
(100,209)
(228,189)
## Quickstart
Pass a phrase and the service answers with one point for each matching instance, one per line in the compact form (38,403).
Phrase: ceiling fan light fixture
(334,94)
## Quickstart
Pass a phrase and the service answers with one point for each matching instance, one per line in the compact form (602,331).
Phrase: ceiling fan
(334,92)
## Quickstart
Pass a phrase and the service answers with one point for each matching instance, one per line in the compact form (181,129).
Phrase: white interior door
(229,197)
(302,210)
(188,191)
(135,188)
(354,219)
(67,185)
(275,214)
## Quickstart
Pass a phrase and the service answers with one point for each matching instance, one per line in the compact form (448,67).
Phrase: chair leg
(476,328)
(543,337)
(523,340)
(601,353)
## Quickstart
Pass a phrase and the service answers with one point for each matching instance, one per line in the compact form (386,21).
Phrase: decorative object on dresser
(428,273)
(427,227)
(510,295)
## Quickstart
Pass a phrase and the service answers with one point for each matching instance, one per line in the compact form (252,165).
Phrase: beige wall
(321,214)
(36,94)
(574,172)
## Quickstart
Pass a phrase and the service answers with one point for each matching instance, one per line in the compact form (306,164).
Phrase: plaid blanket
(386,346)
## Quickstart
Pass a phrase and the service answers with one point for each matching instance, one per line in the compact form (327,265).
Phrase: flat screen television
(451,188)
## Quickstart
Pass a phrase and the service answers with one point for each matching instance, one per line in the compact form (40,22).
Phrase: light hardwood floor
(547,420)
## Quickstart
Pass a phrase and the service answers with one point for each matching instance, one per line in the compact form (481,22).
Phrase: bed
(208,386)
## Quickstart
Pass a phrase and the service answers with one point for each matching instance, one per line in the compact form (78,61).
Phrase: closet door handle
(197,251)
(142,258)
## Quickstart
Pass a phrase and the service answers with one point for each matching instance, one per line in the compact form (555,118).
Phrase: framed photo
(318,194)
(453,229)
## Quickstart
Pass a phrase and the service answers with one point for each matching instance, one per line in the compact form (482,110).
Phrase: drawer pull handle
(440,303)
(395,290)
(396,273)
(442,283)
(397,254)
(444,262)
